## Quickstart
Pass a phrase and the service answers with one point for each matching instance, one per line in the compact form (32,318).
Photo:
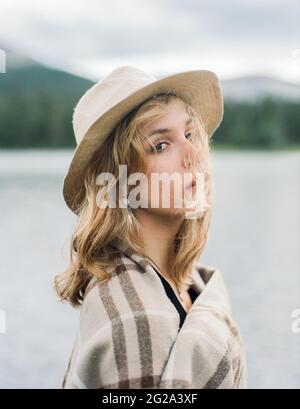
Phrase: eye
(158,145)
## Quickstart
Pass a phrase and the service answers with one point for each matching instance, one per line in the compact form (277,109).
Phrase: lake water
(254,239)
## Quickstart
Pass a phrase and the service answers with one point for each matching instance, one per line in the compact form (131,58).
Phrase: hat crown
(105,94)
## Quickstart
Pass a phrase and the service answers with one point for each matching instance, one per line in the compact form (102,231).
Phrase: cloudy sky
(92,37)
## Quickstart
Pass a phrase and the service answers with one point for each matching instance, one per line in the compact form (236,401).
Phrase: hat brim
(200,88)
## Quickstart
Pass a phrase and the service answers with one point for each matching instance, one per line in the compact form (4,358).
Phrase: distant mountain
(25,75)
(16,60)
(253,88)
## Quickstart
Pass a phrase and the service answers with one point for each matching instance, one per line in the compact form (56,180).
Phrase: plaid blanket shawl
(129,337)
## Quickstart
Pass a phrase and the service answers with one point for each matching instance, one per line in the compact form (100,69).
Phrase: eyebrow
(166,130)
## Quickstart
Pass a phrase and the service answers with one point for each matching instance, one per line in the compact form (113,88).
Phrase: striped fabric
(129,337)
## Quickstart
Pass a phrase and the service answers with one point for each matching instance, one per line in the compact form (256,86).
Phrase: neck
(158,234)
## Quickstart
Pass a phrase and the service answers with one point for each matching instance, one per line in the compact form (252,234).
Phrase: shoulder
(131,297)
(119,322)
(210,282)
(204,275)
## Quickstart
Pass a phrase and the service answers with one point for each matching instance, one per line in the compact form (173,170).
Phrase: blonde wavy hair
(97,227)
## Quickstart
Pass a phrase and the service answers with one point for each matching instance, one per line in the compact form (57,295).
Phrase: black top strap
(171,294)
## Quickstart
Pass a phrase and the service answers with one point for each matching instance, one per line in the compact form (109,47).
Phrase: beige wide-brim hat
(108,101)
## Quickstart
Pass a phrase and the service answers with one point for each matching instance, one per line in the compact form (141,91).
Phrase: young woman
(152,315)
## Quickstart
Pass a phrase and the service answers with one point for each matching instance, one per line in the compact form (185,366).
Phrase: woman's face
(171,135)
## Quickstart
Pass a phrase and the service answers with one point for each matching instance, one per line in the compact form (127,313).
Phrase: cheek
(168,162)
(160,190)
